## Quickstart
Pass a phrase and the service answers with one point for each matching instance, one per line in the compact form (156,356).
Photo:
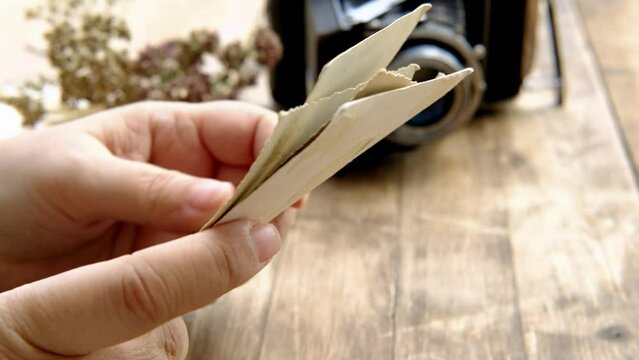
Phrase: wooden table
(514,238)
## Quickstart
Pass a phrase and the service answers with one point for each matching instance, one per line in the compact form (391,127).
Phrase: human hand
(128,307)
(99,188)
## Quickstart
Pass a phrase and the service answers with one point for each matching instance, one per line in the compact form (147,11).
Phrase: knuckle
(155,185)
(221,270)
(142,293)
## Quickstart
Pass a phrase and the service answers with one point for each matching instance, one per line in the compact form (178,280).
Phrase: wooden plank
(613,33)
(232,327)
(458,297)
(334,274)
(573,215)
(456,291)
(334,291)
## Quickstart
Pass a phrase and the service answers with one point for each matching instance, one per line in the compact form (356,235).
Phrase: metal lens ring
(436,49)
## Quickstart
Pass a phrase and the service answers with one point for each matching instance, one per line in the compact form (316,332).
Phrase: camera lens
(434,114)
(436,111)
(445,114)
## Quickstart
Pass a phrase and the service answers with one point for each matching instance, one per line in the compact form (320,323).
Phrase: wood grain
(613,33)
(335,289)
(457,297)
(233,326)
(334,297)
(573,215)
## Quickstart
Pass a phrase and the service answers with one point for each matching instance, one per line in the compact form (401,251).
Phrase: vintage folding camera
(495,37)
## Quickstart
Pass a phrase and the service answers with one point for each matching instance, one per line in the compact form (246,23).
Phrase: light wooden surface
(613,32)
(514,238)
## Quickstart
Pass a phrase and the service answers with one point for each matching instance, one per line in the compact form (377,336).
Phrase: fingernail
(265,240)
(207,194)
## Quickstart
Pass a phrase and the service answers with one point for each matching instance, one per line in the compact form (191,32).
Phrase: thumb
(104,304)
(147,194)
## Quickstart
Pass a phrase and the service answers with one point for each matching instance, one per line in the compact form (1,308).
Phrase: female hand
(124,182)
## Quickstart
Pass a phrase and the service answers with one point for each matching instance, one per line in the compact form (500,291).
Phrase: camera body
(494,37)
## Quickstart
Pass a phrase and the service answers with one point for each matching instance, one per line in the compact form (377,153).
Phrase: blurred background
(108,53)
(38,69)
(150,22)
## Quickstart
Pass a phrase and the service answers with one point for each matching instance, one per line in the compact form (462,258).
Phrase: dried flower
(233,55)
(86,45)
(268,46)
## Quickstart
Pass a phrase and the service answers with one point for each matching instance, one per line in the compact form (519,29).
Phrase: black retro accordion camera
(495,37)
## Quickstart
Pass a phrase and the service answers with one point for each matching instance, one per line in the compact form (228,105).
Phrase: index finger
(234,132)
(192,138)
